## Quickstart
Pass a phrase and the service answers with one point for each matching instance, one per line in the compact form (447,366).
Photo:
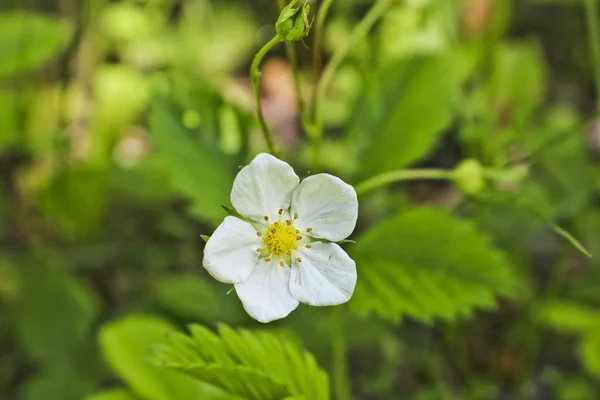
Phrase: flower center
(281,238)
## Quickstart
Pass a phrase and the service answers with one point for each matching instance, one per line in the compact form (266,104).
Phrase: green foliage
(402,112)
(116,394)
(196,300)
(195,170)
(28,40)
(125,344)
(573,318)
(427,264)
(54,313)
(251,365)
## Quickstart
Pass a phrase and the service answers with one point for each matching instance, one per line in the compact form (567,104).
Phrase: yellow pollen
(258,250)
(281,263)
(258,233)
(280,211)
(299,259)
(267,259)
(308,246)
(266,218)
(297,231)
(299,238)
(295,215)
(288,222)
(280,238)
(289,253)
(308,229)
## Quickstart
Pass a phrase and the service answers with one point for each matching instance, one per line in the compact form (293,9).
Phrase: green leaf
(115,394)
(427,264)
(54,313)
(61,381)
(28,40)
(64,205)
(194,300)
(569,317)
(251,365)
(125,344)
(194,169)
(401,114)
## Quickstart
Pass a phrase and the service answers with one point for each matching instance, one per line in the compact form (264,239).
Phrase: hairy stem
(255,76)
(403,175)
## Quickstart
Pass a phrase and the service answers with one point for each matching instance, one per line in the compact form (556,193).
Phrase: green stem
(403,175)
(255,76)
(591,11)
(360,31)
(290,51)
(341,383)
(318,42)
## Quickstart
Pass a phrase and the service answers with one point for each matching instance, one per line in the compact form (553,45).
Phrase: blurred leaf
(252,365)
(426,264)
(569,317)
(519,78)
(8,118)
(28,40)
(194,299)
(576,318)
(195,170)
(115,394)
(75,200)
(125,344)
(402,113)
(59,382)
(53,314)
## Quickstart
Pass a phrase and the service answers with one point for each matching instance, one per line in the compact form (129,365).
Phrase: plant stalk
(402,175)
(255,76)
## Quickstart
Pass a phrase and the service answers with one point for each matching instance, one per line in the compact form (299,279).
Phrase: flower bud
(292,24)
(469,177)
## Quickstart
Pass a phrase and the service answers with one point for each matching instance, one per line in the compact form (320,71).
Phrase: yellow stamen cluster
(280,238)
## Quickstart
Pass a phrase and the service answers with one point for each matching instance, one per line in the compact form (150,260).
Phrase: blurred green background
(123,123)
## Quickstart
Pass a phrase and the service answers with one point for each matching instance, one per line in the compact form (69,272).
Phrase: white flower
(282,253)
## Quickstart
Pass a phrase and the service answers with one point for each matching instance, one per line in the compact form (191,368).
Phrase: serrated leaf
(125,344)
(251,365)
(194,169)
(427,264)
(28,40)
(402,113)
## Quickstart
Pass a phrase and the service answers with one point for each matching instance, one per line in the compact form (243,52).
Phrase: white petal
(230,253)
(326,276)
(265,294)
(326,204)
(263,187)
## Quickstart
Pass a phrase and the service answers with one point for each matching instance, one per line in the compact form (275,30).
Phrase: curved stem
(255,76)
(403,175)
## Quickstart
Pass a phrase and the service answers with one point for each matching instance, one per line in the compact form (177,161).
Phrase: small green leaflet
(251,365)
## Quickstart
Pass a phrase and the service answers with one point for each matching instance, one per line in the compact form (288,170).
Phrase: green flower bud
(292,24)
(469,177)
